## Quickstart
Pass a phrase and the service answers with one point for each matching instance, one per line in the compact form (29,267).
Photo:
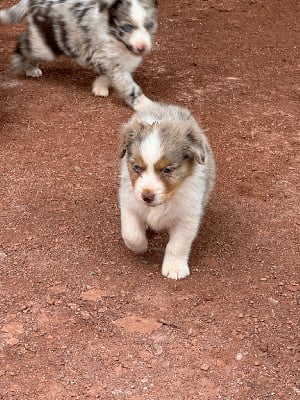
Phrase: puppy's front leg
(129,90)
(133,231)
(175,264)
(101,86)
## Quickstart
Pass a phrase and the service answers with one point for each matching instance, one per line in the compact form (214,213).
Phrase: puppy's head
(132,22)
(160,157)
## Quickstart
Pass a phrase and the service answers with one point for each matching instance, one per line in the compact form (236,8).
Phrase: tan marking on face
(162,163)
(179,172)
(130,164)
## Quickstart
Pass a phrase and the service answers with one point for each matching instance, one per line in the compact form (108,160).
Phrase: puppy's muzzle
(141,48)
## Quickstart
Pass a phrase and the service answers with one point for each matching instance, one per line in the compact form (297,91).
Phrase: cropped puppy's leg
(101,86)
(21,60)
(175,263)
(20,64)
(133,231)
(129,90)
(33,70)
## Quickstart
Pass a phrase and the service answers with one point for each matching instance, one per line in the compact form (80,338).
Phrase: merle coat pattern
(111,36)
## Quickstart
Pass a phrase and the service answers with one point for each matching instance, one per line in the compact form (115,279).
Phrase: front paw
(175,269)
(99,90)
(137,244)
(101,86)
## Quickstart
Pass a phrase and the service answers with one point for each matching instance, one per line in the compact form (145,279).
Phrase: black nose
(148,197)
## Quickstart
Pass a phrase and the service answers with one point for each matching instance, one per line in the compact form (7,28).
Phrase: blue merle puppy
(111,36)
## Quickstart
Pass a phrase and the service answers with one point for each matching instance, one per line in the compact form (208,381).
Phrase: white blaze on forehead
(151,150)
(137,13)
(140,38)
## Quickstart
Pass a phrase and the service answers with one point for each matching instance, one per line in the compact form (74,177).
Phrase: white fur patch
(151,148)
(149,119)
(137,13)
(149,181)
(140,38)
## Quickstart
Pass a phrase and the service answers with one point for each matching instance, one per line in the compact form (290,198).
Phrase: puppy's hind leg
(20,64)
(31,68)
(21,60)
(101,86)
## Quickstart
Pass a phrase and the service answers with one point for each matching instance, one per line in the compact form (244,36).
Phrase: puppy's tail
(14,14)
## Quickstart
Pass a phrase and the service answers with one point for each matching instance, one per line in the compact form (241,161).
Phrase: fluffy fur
(111,36)
(167,174)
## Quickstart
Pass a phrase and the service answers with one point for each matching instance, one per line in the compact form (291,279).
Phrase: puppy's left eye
(127,28)
(167,170)
(149,26)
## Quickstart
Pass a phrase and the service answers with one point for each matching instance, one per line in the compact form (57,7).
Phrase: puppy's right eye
(137,168)
(127,28)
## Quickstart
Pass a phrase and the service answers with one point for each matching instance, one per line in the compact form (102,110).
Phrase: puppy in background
(111,36)
(167,174)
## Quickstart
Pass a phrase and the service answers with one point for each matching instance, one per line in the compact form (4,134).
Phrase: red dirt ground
(82,317)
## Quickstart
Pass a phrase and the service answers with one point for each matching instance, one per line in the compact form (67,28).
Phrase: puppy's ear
(195,145)
(132,131)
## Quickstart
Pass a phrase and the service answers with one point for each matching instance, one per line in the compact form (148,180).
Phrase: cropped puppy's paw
(135,239)
(175,269)
(100,86)
(142,102)
(138,246)
(100,91)
(34,72)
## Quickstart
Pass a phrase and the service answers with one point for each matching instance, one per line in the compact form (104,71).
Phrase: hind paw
(34,72)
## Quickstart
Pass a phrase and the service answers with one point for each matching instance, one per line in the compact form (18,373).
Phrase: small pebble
(157,349)
(239,356)
(264,346)
(85,315)
(204,367)
(292,287)
(272,301)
